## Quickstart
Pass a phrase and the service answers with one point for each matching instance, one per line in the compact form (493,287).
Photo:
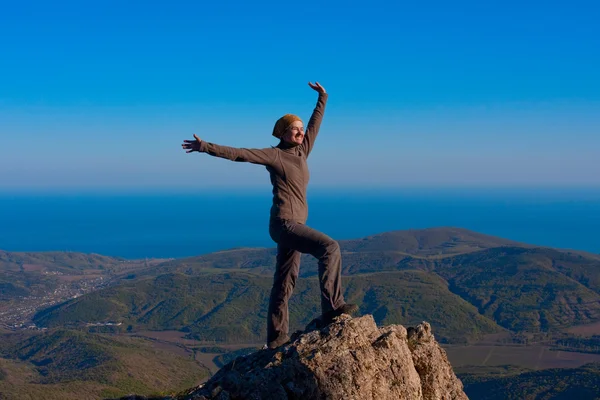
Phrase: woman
(287,166)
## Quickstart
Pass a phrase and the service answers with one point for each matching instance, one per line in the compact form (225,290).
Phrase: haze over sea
(178,224)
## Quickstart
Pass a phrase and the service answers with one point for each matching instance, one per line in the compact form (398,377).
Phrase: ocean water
(187,224)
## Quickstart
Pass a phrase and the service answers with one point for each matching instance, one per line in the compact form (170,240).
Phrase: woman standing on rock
(289,173)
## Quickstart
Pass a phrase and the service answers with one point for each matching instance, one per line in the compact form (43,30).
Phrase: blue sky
(100,95)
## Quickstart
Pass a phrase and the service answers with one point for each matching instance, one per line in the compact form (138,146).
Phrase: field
(76,278)
(174,341)
(169,336)
(178,337)
(207,359)
(33,267)
(534,357)
(585,330)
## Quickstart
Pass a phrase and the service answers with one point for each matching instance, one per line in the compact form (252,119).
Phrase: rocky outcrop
(349,359)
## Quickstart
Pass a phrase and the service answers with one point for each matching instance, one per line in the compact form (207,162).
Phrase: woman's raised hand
(192,145)
(317,86)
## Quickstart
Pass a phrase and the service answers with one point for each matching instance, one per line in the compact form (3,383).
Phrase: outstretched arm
(314,123)
(255,156)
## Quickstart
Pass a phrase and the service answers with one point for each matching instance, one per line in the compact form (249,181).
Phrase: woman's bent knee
(332,248)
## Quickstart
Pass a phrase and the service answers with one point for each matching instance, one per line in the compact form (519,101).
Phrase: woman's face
(294,133)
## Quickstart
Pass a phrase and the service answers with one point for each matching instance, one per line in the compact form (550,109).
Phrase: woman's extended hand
(192,145)
(317,86)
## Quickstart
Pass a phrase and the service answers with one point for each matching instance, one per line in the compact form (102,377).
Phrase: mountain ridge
(502,279)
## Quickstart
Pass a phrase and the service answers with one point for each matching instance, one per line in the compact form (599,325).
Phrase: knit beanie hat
(283,123)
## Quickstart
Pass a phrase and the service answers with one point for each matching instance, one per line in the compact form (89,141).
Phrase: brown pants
(292,240)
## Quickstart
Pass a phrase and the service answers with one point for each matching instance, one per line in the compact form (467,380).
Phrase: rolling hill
(527,289)
(231,307)
(63,364)
(464,283)
(388,251)
(552,384)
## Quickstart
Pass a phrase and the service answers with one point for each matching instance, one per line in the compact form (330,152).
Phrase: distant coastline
(177,224)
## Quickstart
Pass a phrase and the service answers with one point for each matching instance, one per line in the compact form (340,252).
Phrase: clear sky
(100,94)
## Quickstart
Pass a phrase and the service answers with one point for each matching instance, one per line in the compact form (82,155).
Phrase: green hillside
(10,290)
(388,251)
(262,262)
(223,296)
(411,297)
(550,384)
(526,289)
(64,261)
(60,363)
(519,286)
(431,242)
(232,307)
(28,279)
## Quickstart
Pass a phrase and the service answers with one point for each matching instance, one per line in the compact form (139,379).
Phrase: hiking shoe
(315,324)
(280,341)
(328,317)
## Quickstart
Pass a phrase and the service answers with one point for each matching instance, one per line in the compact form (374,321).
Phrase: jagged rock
(349,359)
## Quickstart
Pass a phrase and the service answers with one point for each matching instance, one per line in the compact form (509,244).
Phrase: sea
(176,224)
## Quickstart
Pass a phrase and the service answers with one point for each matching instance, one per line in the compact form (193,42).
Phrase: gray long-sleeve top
(286,165)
